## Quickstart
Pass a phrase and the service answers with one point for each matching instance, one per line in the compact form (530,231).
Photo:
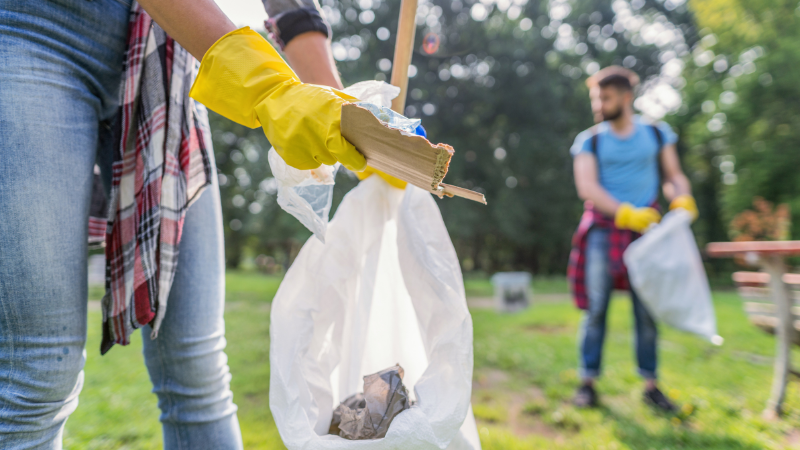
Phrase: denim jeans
(60,69)
(599,286)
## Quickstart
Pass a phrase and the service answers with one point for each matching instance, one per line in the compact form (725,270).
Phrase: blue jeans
(599,285)
(60,69)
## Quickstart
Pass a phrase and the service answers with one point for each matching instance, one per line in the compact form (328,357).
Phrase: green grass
(524,377)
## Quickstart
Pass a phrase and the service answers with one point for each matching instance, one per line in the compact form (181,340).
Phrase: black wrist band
(291,24)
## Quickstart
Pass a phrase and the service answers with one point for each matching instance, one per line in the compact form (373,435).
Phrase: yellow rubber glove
(243,78)
(635,219)
(393,181)
(686,202)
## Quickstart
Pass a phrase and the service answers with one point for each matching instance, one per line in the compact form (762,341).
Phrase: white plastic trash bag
(385,289)
(307,194)
(665,269)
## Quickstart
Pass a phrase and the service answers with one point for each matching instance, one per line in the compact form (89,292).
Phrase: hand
(686,202)
(635,219)
(243,78)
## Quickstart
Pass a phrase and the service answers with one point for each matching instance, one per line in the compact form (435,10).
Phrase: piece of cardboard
(410,158)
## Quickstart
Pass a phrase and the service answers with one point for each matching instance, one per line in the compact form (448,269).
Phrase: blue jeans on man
(599,286)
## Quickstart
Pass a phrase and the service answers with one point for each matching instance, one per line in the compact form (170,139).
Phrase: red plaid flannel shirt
(161,165)
(618,242)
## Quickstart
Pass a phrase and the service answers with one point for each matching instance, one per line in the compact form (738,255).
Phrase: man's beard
(614,115)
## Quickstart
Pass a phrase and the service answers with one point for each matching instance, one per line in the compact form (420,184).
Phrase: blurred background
(503,83)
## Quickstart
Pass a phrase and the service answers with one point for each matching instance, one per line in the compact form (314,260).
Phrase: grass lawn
(524,377)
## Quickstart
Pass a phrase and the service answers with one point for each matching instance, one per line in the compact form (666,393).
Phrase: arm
(588,184)
(300,29)
(675,183)
(311,57)
(677,188)
(195,24)
(243,78)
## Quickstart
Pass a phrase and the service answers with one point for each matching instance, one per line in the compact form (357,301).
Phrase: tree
(741,115)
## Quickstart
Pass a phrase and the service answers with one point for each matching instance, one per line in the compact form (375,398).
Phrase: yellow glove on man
(395,182)
(243,78)
(635,219)
(686,202)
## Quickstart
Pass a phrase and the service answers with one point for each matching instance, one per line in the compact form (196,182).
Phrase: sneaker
(655,398)
(586,397)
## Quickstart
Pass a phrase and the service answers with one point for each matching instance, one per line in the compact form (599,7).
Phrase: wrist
(310,56)
(687,203)
(285,27)
(678,200)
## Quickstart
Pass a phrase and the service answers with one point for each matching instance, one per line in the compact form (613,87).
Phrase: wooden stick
(403,49)
(450,191)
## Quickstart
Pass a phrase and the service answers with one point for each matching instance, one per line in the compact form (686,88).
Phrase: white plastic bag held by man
(665,268)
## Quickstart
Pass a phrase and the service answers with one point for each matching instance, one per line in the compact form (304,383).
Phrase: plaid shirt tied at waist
(161,165)
(618,242)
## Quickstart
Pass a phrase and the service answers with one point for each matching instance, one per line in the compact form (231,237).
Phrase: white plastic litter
(665,269)
(308,194)
(305,194)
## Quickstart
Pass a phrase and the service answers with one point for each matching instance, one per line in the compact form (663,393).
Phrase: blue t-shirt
(629,166)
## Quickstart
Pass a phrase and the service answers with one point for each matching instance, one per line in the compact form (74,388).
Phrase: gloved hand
(635,219)
(243,78)
(393,181)
(686,202)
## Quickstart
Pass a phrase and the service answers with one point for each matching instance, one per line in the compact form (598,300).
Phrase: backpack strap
(593,141)
(659,137)
(660,142)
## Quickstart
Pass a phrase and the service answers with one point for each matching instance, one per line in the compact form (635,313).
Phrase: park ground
(523,380)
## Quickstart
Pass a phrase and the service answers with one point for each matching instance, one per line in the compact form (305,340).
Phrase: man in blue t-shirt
(619,165)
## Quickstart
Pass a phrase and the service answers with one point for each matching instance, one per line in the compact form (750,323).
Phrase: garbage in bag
(384,287)
(392,119)
(307,194)
(368,415)
(665,269)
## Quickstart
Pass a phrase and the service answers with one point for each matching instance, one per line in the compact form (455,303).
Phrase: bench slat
(761,278)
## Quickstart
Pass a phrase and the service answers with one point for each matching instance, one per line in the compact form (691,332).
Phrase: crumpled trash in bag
(368,415)
(308,194)
(391,119)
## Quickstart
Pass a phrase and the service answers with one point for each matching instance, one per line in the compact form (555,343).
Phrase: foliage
(523,380)
(763,223)
(740,119)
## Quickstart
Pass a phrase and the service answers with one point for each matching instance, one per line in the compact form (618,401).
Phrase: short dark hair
(600,77)
(616,80)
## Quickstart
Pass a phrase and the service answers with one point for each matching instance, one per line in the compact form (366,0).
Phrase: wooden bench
(760,309)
